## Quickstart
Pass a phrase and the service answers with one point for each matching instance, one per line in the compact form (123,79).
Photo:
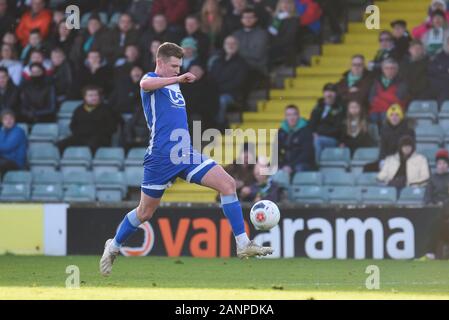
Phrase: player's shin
(127,227)
(233,212)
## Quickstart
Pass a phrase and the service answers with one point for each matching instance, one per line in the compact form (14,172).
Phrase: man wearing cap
(437,190)
(326,120)
(434,38)
(401,37)
(190,47)
(13,144)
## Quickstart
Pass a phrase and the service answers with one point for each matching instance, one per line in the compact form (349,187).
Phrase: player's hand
(186,78)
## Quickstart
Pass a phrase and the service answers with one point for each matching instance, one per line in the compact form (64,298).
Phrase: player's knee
(229,186)
(145,213)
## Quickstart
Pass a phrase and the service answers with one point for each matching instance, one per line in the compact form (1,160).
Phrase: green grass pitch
(39,277)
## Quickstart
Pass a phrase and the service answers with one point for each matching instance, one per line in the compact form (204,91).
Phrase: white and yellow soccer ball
(265,215)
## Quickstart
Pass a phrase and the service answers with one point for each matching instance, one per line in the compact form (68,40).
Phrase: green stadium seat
(379,196)
(308,194)
(282,178)
(79,178)
(135,157)
(308,178)
(335,158)
(411,196)
(49,192)
(64,128)
(111,181)
(24,127)
(339,178)
(443,116)
(44,132)
(48,178)
(15,192)
(424,111)
(134,176)
(43,157)
(80,193)
(108,159)
(429,135)
(67,108)
(109,195)
(367,179)
(429,152)
(18,177)
(345,195)
(363,156)
(75,158)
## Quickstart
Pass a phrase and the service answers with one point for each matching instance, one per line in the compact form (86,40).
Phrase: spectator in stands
(120,37)
(13,144)
(355,128)
(9,60)
(158,31)
(326,120)
(62,74)
(95,37)
(243,167)
(135,131)
(420,30)
(37,56)
(11,39)
(435,37)
(283,30)
(140,10)
(264,188)
(202,98)
(190,48)
(9,93)
(295,143)
(437,190)
(413,72)
(38,97)
(63,38)
(393,130)
(131,57)
(95,72)
(192,29)
(92,122)
(333,10)
(175,10)
(439,74)
(406,167)
(212,23)
(230,72)
(34,43)
(125,97)
(386,90)
(401,37)
(386,51)
(37,17)
(232,21)
(7,21)
(149,59)
(254,48)
(356,82)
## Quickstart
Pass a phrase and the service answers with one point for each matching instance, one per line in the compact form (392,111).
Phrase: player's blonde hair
(168,49)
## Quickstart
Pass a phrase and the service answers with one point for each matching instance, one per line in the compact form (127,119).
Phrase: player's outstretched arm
(151,84)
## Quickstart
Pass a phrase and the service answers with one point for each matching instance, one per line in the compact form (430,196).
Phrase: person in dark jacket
(63,38)
(386,50)
(92,123)
(38,97)
(120,37)
(437,190)
(230,72)
(125,98)
(62,74)
(9,93)
(159,30)
(192,29)
(401,37)
(438,74)
(356,82)
(326,120)
(295,143)
(413,72)
(135,131)
(13,143)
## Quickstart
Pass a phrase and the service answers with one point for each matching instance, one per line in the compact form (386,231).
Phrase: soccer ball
(264,215)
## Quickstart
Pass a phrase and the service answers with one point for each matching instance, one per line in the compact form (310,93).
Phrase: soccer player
(166,158)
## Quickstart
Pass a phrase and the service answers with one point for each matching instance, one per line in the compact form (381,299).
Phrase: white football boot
(252,249)
(107,259)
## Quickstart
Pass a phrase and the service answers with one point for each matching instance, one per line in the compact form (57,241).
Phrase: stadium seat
(339,178)
(134,176)
(50,192)
(308,194)
(429,152)
(80,178)
(424,111)
(308,178)
(43,157)
(15,192)
(379,196)
(75,158)
(367,179)
(363,156)
(429,135)
(17,177)
(24,127)
(135,157)
(111,181)
(443,116)
(80,193)
(64,128)
(109,195)
(48,178)
(44,132)
(67,108)
(282,178)
(411,196)
(108,159)
(345,195)
(335,158)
